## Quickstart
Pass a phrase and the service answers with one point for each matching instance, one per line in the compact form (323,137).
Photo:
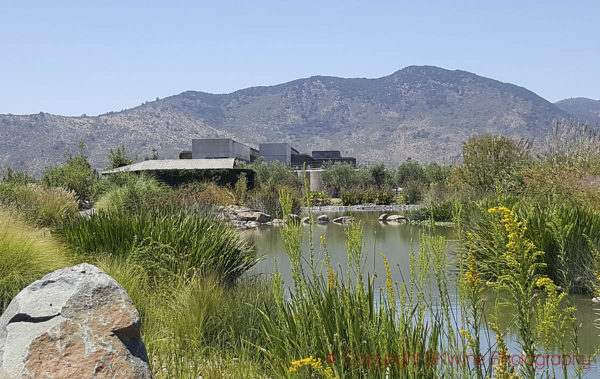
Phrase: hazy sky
(98,56)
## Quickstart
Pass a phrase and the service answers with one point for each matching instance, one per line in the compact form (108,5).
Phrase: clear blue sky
(98,56)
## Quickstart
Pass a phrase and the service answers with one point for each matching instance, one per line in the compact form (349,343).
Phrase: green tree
(76,174)
(410,171)
(435,173)
(153,155)
(339,177)
(274,174)
(119,158)
(379,175)
(490,160)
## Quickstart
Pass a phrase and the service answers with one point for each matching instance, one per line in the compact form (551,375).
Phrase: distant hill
(422,112)
(584,109)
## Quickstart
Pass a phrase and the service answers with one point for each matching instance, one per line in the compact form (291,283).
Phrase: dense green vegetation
(373,185)
(188,242)
(529,228)
(271,178)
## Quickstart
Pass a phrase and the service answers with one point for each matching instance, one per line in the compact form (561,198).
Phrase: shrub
(201,243)
(138,192)
(13,176)
(75,175)
(410,171)
(353,197)
(240,190)
(7,192)
(275,173)
(413,192)
(44,206)
(317,198)
(200,194)
(26,254)
(384,197)
(266,199)
(441,212)
(489,161)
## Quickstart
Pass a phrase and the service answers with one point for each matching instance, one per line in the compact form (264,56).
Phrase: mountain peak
(423,112)
(585,109)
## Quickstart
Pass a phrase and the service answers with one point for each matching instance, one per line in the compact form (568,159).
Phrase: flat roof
(176,164)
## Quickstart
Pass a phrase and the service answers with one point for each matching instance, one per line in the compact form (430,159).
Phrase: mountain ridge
(585,109)
(423,112)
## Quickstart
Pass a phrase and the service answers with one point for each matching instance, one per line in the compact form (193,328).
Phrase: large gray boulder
(77,322)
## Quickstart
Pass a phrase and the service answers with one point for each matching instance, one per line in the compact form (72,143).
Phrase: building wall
(207,148)
(271,152)
(241,151)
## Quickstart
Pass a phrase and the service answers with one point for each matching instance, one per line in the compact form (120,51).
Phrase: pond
(395,241)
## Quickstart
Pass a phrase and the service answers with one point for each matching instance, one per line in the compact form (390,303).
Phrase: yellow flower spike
(314,364)
(544,282)
(332,279)
(388,281)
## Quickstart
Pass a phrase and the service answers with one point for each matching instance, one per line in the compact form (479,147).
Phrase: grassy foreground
(26,254)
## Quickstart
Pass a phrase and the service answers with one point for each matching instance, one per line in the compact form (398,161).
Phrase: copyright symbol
(331,358)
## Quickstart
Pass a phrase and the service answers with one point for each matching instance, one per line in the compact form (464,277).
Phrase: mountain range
(419,112)
(584,109)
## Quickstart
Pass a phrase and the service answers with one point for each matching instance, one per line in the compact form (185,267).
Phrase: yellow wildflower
(388,280)
(313,363)
(332,279)
(468,337)
(544,282)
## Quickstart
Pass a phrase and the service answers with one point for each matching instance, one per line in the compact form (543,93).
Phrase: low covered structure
(222,171)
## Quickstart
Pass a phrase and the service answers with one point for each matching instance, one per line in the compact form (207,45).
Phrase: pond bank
(361,208)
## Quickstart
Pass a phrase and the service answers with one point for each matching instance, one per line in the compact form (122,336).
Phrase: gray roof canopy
(175,164)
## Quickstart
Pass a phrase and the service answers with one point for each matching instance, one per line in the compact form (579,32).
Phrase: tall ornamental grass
(566,230)
(38,204)
(338,324)
(190,242)
(197,326)
(543,317)
(129,193)
(45,205)
(26,254)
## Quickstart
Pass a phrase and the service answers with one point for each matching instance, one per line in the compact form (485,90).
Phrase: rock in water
(323,219)
(343,220)
(254,216)
(396,218)
(383,217)
(76,322)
